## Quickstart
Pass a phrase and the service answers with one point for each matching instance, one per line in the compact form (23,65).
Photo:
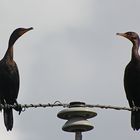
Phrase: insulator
(77,115)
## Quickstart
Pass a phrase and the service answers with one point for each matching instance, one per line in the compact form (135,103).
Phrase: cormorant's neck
(9,52)
(12,39)
(135,48)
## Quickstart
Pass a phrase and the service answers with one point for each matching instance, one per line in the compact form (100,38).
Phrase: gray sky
(72,54)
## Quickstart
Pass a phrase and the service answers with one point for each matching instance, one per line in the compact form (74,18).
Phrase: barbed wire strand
(64,105)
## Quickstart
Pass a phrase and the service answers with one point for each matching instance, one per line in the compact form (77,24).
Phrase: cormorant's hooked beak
(28,29)
(25,30)
(31,28)
(121,34)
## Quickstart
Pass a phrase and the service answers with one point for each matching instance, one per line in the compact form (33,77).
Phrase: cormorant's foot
(135,108)
(18,108)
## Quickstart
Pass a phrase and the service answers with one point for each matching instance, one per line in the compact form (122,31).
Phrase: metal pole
(78,136)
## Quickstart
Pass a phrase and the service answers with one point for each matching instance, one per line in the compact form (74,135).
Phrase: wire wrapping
(59,104)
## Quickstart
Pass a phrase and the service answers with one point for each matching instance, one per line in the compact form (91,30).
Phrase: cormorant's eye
(129,33)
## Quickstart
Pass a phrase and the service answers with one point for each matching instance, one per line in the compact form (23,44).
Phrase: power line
(64,105)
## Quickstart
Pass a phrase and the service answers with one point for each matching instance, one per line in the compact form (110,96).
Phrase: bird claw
(18,108)
(135,108)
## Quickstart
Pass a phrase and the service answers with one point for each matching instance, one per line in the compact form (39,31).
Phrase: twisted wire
(64,105)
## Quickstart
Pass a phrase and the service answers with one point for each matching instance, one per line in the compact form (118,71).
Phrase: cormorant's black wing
(9,82)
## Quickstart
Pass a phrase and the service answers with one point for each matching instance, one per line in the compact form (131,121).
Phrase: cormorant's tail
(135,120)
(8,118)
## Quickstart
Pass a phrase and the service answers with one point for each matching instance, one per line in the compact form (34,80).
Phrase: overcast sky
(73,54)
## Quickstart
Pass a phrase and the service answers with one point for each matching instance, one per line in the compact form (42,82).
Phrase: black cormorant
(9,79)
(132,78)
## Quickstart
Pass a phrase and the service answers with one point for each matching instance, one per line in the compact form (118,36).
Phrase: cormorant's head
(132,36)
(20,31)
(17,33)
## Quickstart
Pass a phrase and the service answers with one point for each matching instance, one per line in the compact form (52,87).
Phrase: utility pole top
(77,115)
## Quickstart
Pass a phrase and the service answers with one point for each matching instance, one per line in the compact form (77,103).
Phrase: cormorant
(9,79)
(132,78)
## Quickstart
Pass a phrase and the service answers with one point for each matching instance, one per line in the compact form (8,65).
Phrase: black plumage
(132,78)
(9,79)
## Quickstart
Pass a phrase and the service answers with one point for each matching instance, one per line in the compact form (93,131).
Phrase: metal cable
(60,104)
